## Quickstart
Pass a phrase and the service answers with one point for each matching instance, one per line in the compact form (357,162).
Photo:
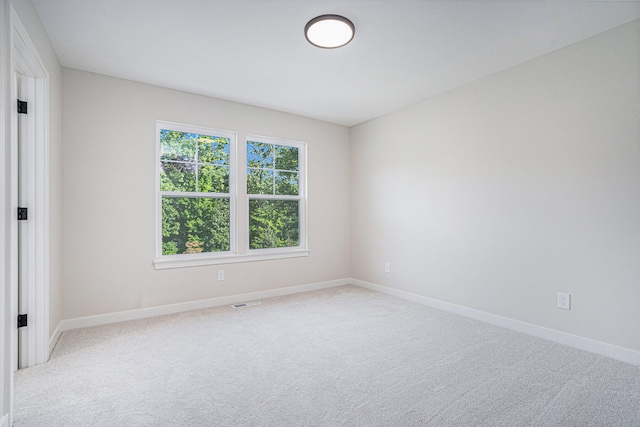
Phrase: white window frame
(239,250)
(301,197)
(180,260)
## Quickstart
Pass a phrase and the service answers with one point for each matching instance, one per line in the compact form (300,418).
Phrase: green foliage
(200,164)
(195,225)
(213,179)
(286,158)
(177,146)
(194,163)
(260,181)
(273,223)
(260,155)
(286,183)
(177,177)
(272,169)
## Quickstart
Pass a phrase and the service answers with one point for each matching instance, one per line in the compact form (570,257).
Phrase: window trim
(232,195)
(162,262)
(301,197)
(196,260)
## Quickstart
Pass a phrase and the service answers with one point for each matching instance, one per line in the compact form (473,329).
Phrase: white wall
(109,197)
(499,194)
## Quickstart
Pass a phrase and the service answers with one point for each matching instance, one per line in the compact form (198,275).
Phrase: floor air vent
(246,304)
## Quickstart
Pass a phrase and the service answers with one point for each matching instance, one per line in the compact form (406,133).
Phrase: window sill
(179,261)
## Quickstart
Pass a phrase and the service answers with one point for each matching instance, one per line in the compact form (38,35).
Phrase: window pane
(273,224)
(192,225)
(286,183)
(177,146)
(259,181)
(213,179)
(213,150)
(177,176)
(259,155)
(286,158)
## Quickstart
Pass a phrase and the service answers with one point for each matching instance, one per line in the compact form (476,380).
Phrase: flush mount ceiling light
(329,31)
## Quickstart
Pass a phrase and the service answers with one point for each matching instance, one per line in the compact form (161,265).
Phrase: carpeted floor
(339,357)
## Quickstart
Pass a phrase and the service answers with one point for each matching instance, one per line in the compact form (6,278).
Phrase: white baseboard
(581,343)
(55,337)
(103,319)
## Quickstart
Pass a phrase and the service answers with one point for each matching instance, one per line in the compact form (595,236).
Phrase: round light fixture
(329,31)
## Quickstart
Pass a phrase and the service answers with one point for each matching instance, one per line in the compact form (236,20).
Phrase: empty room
(320,213)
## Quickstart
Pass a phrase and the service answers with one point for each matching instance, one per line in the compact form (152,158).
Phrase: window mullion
(273,170)
(195,195)
(197,161)
(273,197)
(273,184)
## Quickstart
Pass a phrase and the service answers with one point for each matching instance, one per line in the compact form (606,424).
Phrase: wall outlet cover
(564,301)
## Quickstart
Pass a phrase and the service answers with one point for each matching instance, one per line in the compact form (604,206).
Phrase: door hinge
(22,107)
(22,320)
(22,214)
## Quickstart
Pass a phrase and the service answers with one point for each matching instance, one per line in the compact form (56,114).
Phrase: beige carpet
(338,357)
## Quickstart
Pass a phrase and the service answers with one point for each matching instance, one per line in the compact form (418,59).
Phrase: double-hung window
(197,195)
(204,218)
(276,193)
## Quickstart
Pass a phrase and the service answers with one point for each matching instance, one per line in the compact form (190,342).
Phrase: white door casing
(20,57)
(28,180)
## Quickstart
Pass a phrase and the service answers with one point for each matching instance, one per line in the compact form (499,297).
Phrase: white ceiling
(255,52)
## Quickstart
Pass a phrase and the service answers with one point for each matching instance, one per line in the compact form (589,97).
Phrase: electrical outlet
(220,275)
(564,301)
(386,267)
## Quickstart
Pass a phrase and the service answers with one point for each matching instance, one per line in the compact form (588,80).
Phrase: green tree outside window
(273,170)
(194,183)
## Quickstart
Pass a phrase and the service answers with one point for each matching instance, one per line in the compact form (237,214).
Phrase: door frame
(18,54)
(6,392)
(26,61)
